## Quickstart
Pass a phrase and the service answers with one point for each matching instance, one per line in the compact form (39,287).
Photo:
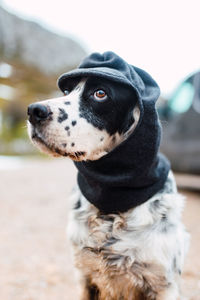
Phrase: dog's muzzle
(38,113)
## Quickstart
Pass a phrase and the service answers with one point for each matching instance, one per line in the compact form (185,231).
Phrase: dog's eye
(100,95)
(66,92)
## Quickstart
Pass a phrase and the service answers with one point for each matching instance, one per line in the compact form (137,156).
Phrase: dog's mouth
(55,151)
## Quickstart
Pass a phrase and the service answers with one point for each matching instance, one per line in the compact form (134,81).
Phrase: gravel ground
(35,261)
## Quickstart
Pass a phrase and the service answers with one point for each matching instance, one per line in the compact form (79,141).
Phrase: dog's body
(123,255)
(136,254)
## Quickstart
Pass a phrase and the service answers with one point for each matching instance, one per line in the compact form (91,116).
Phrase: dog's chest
(114,254)
(136,248)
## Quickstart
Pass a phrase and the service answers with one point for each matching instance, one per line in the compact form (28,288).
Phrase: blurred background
(39,40)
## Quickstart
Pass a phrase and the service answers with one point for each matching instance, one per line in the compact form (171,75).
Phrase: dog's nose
(37,113)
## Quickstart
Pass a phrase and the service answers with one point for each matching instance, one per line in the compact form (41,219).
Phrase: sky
(162,37)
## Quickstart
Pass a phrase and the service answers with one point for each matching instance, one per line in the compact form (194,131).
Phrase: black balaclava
(133,171)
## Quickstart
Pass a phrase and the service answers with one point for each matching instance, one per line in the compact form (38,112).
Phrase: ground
(35,261)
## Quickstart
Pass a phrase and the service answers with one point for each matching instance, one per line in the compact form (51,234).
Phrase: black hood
(134,171)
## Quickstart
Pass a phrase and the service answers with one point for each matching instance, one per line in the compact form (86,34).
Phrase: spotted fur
(73,131)
(131,255)
(136,255)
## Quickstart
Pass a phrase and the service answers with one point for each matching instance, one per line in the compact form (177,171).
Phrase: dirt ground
(35,261)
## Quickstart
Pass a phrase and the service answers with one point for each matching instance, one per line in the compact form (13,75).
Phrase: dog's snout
(38,113)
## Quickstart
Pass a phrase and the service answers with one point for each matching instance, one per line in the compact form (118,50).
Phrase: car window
(182,99)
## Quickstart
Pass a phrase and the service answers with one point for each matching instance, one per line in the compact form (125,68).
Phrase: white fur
(141,240)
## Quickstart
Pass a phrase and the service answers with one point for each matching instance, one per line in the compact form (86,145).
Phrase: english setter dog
(133,254)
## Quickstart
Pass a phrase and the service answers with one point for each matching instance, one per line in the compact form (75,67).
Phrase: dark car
(180,118)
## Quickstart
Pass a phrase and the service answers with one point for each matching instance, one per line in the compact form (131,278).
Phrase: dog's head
(92,117)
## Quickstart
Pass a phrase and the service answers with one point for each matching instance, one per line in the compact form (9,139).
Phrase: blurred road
(35,261)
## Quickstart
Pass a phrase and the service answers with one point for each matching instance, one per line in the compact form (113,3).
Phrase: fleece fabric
(133,171)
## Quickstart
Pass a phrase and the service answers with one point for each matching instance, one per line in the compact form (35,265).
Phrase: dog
(129,251)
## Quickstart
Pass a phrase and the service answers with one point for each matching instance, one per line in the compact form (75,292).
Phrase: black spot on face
(67,129)
(64,145)
(62,115)
(101,139)
(115,113)
(72,144)
(74,123)
(67,102)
